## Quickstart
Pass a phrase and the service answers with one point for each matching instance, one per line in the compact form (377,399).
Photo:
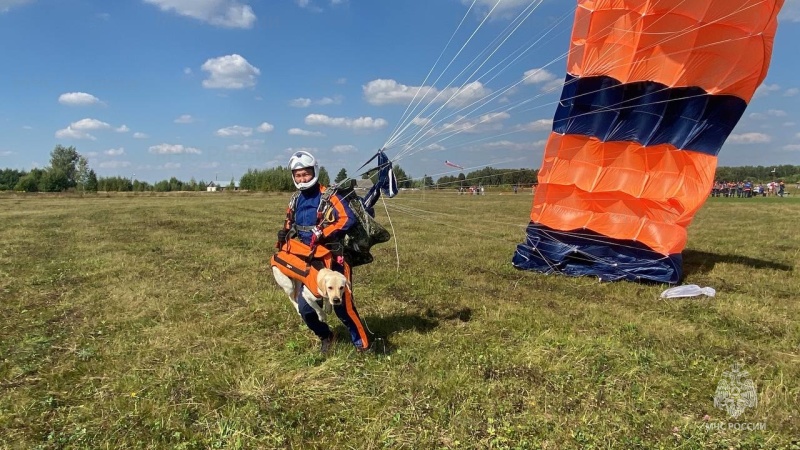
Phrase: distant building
(364,185)
(217,186)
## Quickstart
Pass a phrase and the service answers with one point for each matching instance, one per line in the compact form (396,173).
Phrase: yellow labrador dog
(331,286)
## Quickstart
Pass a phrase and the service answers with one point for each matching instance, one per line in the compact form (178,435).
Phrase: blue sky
(209,88)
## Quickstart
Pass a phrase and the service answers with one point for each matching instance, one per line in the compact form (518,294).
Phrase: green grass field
(154,322)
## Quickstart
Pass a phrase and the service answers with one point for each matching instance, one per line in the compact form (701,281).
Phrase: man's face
(303,175)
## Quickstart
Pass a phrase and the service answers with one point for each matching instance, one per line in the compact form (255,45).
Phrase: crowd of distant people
(748,189)
(472,190)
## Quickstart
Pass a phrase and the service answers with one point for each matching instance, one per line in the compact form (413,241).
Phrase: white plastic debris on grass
(688,290)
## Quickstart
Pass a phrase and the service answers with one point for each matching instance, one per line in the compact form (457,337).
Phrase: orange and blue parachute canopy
(653,89)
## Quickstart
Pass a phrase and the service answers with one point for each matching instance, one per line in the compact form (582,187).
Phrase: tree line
(70,171)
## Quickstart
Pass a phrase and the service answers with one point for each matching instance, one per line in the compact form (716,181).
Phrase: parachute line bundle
(652,91)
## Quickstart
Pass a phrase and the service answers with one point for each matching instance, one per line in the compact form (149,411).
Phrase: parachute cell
(653,89)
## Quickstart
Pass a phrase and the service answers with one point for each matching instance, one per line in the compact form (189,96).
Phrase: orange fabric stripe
(341,216)
(725,46)
(351,312)
(622,189)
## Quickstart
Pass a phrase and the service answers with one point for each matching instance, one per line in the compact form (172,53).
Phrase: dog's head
(332,286)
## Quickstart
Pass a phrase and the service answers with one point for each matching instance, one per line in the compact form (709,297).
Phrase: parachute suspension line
(420,135)
(487,99)
(409,107)
(455,93)
(389,143)
(394,234)
(395,134)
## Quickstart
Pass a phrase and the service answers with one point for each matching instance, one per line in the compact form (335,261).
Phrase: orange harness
(294,259)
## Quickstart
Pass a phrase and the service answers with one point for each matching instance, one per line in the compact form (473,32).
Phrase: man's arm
(344,218)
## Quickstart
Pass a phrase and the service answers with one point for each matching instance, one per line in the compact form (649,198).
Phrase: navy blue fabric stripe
(647,112)
(586,253)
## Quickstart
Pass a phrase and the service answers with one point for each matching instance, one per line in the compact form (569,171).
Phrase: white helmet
(303,160)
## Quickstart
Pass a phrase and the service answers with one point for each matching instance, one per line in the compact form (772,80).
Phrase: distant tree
(30,182)
(324,178)
(64,159)
(403,180)
(91,181)
(341,176)
(54,179)
(82,175)
(9,178)
(427,181)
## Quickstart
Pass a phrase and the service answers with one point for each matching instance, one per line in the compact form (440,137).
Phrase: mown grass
(154,322)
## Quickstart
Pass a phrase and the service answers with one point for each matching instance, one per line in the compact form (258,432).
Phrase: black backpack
(359,239)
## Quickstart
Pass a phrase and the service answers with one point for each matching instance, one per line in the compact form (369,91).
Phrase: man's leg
(347,313)
(309,315)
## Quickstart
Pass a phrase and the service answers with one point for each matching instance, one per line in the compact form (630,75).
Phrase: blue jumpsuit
(305,215)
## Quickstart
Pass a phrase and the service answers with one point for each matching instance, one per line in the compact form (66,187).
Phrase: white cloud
(114,164)
(169,166)
(172,149)
(749,138)
(482,124)
(81,128)
(790,11)
(385,92)
(361,123)
(223,13)
(208,165)
(776,113)
(306,4)
(235,130)
(139,135)
(342,80)
(187,70)
(6,5)
(245,147)
(344,149)
(548,80)
(506,145)
(538,76)
(122,129)
(792,148)
(539,125)
(302,132)
(115,151)
(791,92)
(265,127)
(764,90)
(306,102)
(330,101)
(184,119)
(6,153)
(229,72)
(77,98)
(420,121)
(300,103)
(90,124)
